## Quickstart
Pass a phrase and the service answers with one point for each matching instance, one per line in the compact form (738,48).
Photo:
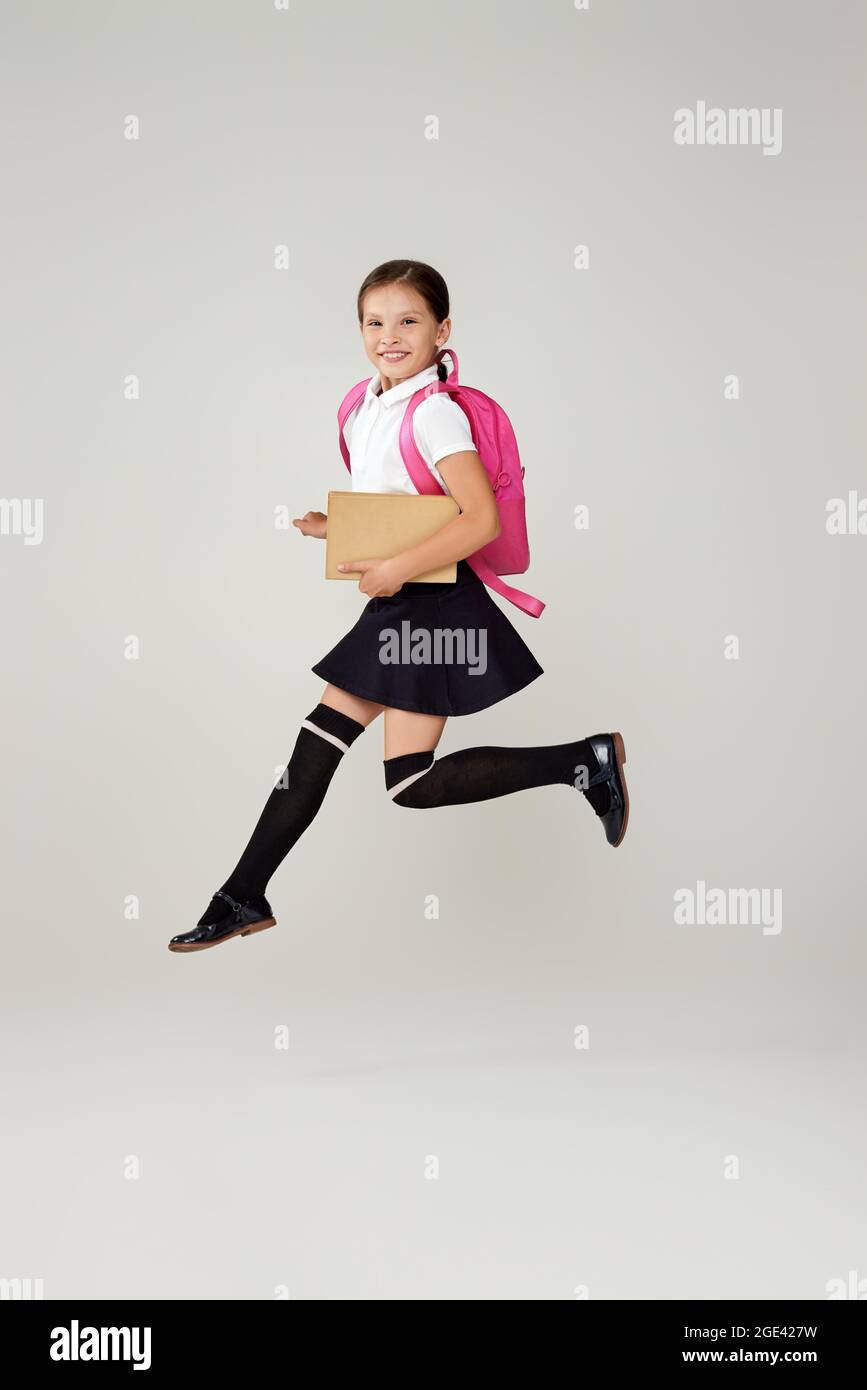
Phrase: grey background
(559,1168)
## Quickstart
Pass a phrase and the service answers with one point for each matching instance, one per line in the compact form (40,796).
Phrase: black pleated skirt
(432,648)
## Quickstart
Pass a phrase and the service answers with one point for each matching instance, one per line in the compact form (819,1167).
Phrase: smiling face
(401,335)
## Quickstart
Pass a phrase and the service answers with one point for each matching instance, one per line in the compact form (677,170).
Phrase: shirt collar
(404,389)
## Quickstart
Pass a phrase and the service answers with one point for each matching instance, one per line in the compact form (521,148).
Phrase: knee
(405,777)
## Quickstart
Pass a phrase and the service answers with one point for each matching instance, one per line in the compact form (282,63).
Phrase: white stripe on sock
(408,781)
(332,738)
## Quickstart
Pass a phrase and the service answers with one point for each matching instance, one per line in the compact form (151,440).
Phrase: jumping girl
(403,314)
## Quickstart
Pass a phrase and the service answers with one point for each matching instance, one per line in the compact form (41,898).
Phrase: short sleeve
(441,428)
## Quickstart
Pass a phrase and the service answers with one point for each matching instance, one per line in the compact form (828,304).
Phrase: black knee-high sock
(324,737)
(479,774)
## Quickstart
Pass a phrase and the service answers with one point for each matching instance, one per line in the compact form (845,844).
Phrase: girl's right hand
(312,524)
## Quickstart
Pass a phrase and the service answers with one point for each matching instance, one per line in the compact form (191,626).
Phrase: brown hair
(429,283)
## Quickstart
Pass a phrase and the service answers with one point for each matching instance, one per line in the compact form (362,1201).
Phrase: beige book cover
(377,525)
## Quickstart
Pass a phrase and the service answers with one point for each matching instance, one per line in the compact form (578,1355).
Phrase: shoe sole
(620,759)
(241,931)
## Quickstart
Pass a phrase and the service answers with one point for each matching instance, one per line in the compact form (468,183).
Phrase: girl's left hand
(379,578)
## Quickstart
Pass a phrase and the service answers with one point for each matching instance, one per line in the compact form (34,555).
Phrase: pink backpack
(497,447)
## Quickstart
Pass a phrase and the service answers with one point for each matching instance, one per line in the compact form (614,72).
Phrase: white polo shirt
(372,433)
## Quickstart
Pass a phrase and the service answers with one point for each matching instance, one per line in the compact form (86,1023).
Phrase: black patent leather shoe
(610,754)
(242,919)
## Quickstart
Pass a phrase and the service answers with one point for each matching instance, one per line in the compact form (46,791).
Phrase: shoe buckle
(238,908)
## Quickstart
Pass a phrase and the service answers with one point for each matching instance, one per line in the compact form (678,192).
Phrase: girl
(403,314)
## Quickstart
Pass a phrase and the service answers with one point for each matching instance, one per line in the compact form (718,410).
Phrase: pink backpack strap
(345,409)
(452,378)
(526,602)
(423,479)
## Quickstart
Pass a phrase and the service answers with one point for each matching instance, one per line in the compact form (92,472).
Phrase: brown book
(377,525)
